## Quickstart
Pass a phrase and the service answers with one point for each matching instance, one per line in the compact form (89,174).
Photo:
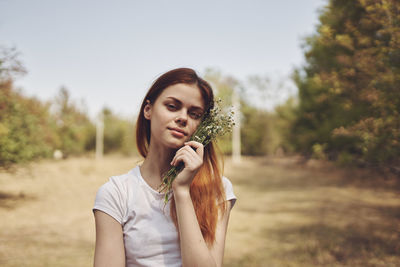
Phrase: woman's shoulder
(226,181)
(120,183)
(113,196)
(228,187)
(125,178)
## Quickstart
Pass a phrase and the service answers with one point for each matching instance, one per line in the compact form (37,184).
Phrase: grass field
(287,213)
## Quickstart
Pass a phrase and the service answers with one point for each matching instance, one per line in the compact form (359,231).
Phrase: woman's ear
(147,110)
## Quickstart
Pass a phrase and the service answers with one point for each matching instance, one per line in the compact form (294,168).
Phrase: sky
(108,53)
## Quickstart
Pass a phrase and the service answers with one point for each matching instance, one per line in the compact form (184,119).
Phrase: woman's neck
(156,163)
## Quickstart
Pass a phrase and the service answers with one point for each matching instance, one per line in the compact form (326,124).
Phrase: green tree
(256,130)
(75,131)
(119,134)
(25,123)
(283,119)
(10,65)
(348,90)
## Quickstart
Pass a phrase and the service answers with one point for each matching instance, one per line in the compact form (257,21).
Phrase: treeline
(31,129)
(260,128)
(348,103)
(346,110)
(349,98)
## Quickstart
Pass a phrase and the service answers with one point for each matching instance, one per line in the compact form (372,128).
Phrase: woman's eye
(171,106)
(195,115)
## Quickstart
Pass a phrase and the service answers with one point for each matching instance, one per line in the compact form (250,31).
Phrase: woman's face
(175,114)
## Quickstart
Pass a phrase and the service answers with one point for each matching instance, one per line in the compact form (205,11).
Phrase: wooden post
(99,135)
(236,153)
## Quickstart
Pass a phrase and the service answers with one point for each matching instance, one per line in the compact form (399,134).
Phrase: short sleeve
(111,199)
(229,194)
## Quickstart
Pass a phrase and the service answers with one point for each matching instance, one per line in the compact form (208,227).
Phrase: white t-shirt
(150,236)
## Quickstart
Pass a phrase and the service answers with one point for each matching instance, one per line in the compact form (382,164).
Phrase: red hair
(206,191)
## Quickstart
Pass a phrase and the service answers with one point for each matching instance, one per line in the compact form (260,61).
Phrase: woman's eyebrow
(180,102)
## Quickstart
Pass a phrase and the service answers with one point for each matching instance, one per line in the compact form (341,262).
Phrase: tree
(75,131)
(119,133)
(10,65)
(255,123)
(348,89)
(25,123)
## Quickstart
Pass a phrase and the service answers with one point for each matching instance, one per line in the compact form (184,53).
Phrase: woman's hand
(192,156)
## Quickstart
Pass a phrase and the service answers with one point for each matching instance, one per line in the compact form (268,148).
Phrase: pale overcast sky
(109,52)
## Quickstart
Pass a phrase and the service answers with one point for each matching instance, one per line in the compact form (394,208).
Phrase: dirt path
(290,214)
(286,214)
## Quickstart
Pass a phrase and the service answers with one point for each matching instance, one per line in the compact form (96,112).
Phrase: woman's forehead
(185,93)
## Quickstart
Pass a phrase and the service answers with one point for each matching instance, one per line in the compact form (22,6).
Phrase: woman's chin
(178,141)
(175,144)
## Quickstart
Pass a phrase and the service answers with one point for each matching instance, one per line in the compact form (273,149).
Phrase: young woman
(134,227)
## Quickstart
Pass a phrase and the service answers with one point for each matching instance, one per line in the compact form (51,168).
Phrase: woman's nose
(182,117)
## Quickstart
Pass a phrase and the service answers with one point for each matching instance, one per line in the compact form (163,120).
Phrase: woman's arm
(109,249)
(194,250)
(222,225)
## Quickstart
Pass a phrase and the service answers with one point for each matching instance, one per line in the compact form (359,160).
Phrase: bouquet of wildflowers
(214,123)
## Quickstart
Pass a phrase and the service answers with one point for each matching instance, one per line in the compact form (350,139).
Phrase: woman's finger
(199,148)
(191,149)
(183,156)
(188,156)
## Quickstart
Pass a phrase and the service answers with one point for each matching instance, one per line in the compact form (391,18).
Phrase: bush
(26,130)
(119,134)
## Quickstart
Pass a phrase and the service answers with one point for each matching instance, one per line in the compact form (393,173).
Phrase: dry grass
(286,215)
(295,215)
(46,211)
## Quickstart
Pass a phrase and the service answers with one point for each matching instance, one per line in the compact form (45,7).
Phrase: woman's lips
(177,132)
